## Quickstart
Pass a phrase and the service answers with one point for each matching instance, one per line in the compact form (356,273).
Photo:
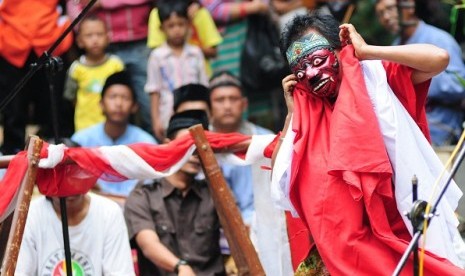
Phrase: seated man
(118,105)
(173,220)
(97,233)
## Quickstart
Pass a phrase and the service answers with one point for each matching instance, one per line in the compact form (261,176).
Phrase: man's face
(319,72)
(228,104)
(388,16)
(118,104)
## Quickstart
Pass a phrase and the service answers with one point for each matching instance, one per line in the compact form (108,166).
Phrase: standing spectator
(173,64)
(250,183)
(444,108)
(118,103)
(27,29)
(128,25)
(203,33)
(87,75)
(173,221)
(230,17)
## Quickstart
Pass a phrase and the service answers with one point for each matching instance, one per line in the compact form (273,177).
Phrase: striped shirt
(167,71)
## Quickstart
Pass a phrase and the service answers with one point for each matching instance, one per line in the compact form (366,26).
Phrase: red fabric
(12,180)
(412,97)
(299,239)
(81,167)
(88,165)
(341,182)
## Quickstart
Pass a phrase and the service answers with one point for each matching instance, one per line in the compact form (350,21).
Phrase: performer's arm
(288,86)
(427,60)
(157,253)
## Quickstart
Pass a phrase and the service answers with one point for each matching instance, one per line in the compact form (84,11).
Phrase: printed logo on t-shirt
(95,86)
(56,264)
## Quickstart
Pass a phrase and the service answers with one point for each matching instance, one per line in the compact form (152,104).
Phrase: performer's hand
(289,83)
(348,35)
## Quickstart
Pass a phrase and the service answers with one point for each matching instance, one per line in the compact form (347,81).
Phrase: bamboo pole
(22,207)
(242,250)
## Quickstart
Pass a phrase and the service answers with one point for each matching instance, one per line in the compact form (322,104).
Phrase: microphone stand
(52,66)
(418,217)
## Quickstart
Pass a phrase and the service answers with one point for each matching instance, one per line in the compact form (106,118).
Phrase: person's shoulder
(38,208)
(140,135)
(144,188)
(262,130)
(84,137)
(104,204)
(193,49)
(161,51)
(114,62)
(76,67)
(114,59)
(437,35)
(37,203)
(257,129)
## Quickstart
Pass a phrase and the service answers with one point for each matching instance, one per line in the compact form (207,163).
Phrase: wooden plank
(242,249)
(22,207)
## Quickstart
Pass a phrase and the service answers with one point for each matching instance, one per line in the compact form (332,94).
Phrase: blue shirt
(95,136)
(445,94)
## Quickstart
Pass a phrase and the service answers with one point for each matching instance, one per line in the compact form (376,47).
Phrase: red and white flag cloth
(69,171)
(337,175)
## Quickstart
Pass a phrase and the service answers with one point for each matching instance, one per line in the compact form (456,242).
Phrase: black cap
(121,77)
(190,92)
(186,119)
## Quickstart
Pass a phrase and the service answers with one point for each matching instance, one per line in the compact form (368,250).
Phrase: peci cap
(190,92)
(121,77)
(224,78)
(186,119)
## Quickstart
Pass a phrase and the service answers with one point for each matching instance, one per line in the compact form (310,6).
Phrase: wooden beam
(22,208)
(242,249)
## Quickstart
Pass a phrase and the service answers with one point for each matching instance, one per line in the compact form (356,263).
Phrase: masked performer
(355,134)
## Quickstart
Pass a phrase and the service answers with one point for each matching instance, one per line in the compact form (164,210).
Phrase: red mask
(319,72)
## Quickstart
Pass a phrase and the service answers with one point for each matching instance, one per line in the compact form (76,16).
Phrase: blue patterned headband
(305,45)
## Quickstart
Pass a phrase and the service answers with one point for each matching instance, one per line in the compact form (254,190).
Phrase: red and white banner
(69,171)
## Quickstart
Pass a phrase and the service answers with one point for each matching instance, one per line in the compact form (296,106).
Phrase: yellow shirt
(89,81)
(203,32)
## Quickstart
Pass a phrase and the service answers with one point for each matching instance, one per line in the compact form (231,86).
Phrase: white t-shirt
(99,244)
